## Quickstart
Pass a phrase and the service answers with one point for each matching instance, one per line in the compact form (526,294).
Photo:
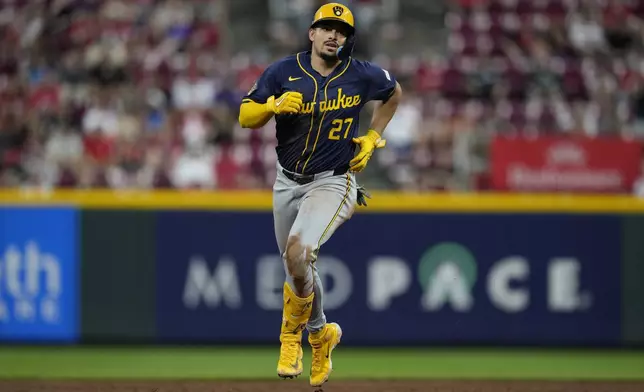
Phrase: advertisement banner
(38,274)
(554,163)
(396,279)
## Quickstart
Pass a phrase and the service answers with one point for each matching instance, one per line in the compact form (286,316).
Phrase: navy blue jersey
(319,138)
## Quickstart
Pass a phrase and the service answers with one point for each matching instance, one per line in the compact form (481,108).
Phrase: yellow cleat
(295,315)
(323,343)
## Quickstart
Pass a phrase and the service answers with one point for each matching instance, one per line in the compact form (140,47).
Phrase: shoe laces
(318,354)
(290,347)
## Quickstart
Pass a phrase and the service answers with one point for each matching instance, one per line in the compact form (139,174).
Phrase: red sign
(555,163)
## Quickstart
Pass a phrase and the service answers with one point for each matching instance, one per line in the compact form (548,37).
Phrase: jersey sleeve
(266,86)
(381,83)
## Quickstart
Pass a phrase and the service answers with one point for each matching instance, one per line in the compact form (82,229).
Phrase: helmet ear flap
(344,51)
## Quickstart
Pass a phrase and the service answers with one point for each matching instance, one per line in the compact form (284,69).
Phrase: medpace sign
(445,284)
(446,278)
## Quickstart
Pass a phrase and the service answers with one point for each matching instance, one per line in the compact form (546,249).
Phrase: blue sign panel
(397,279)
(38,274)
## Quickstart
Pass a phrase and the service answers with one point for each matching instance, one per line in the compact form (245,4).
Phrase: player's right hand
(288,103)
(363,195)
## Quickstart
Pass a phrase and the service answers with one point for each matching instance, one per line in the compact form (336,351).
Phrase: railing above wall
(259,200)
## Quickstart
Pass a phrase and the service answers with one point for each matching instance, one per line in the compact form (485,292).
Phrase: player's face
(327,37)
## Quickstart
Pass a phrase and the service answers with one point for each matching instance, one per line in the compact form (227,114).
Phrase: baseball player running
(316,98)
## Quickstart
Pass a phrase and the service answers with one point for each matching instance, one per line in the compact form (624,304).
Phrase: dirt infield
(331,386)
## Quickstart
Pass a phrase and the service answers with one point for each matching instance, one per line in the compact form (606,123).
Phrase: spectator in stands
(585,30)
(172,17)
(403,133)
(194,168)
(633,85)
(192,89)
(72,70)
(14,135)
(128,167)
(638,186)
(543,78)
(102,116)
(64,151)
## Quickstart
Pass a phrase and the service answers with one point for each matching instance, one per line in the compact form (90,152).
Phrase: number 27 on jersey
(336,130)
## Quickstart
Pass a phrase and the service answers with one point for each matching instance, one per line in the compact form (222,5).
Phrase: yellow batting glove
(368,143)
(289,103)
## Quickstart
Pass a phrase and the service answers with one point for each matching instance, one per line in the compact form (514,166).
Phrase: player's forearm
(253,114)
(384,112)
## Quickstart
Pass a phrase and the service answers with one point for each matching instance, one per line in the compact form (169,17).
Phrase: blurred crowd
(526,67)
(145,93)
(118,93)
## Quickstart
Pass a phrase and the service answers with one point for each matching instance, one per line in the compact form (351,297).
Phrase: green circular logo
(447,252)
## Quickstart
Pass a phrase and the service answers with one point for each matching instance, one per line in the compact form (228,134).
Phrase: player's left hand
(368,143)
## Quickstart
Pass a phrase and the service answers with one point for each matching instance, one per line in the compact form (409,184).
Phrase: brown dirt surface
(331,386)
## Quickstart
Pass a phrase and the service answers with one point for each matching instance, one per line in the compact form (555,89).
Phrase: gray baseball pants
(305,217)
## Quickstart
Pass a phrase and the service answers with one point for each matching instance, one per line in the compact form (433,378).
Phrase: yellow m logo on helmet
(334,11)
